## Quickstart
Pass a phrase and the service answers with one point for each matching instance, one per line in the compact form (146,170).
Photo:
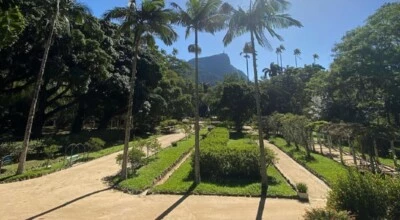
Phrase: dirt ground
(80,193)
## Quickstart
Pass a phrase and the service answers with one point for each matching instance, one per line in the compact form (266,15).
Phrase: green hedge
(160,163)
(221,158)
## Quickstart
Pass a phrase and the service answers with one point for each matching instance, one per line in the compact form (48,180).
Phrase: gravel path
(317,189)
(79,193)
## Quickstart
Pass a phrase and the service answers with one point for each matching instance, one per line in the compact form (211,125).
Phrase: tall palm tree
(315,57)
(246,51)
(143,23)
(278,51)
(208,16)
(262,15)
(58,13)
(297,54)
(282,48)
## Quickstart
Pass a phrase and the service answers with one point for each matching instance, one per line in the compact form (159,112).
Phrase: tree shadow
(236,135)
(70,202)
(177,203)
(260,210)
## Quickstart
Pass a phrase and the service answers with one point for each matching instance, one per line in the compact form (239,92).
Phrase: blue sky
(325,22)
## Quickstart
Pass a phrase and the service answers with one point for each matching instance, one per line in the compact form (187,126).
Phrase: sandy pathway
(317,189)
(79,193)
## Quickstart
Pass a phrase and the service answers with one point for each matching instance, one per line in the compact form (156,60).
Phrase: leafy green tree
(262,15)
(208,16)
(12,23)
(57,10)
(142,23)
(235,103)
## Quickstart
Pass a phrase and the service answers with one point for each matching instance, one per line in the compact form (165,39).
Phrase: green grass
(181,182)
(37,168)
(326,168)
(159,163)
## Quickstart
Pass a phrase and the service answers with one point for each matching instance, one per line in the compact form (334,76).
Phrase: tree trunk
(129,116)
(376,151)
(197,177)
(320,143)
(394,153)
(32,110)
(263,163)
(79,117)
(330,146)
(295,60)
(341,152)
(353,151)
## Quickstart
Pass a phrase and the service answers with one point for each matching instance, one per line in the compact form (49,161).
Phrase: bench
(6,160)
(73,158)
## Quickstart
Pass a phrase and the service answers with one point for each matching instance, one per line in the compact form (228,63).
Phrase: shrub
(326,214)
(301,188)
(95,144)
(219,161)
(368,196)
(168,126)
(135,158)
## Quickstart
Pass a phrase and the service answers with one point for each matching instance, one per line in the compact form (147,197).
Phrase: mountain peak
(213,69)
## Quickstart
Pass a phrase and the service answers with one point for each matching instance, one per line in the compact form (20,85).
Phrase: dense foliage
(368,196)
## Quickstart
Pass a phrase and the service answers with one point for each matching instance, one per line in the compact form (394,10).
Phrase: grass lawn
(181,182)
(324,167)
(37,168)
(160,162)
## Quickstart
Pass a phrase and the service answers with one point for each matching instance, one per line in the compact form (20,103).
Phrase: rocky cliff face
(212,69)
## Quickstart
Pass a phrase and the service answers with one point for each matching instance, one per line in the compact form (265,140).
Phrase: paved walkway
(79,193)
(317,189)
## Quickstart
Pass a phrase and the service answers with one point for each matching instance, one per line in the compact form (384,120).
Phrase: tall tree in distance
(246,51)
(282,48)
(262,15)
(315,57)
(201,16)
(142,23)
(58,14)
(297,54)
(278,51)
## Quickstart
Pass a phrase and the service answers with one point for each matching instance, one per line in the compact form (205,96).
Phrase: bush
(326,214)
(301,188)
(95,144)
(219,161)
(135,158)
(168,126)
(368,196)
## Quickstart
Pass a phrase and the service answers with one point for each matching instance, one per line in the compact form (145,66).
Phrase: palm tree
(282,48)
(143,24)
(262,15)
(278,51)
(297,54)
(246,51)
(272,71)
(315,57)
(59,13)
(208,16)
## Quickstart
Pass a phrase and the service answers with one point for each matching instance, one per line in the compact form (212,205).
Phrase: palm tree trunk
(295,60)
(32,110)
(353,151)
(263,163)
(280,55)
(247,68)
(129,117)
(196,114)
(376,151)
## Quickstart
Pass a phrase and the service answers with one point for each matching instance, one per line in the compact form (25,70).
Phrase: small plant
(135,158)
(50,151)
(95,144)
(174,144)
(301,187)
(327,214)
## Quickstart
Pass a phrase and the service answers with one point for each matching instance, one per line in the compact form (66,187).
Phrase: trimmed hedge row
(220,160)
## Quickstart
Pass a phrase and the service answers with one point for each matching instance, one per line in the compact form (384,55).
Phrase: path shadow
(261,206)
(70,202)
(177,203)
